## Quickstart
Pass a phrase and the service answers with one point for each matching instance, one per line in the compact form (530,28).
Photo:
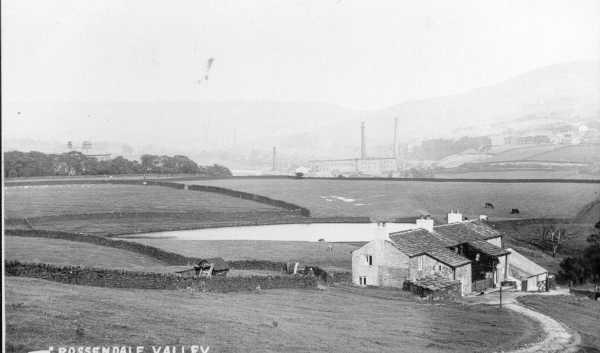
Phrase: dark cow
(514,211)
(488,205)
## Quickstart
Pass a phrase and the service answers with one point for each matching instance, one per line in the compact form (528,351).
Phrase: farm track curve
(558,336)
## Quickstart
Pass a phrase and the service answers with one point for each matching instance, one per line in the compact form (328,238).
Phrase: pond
(329,232)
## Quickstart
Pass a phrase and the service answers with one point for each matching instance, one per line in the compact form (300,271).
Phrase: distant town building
(356,165)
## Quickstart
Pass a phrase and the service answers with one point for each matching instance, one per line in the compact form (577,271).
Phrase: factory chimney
(363,142)
(274,157)
(395,136)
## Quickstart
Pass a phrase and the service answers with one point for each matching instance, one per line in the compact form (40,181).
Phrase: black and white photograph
(198,176)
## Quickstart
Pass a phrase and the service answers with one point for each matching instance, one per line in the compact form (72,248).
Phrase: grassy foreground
(579,313)
(40,314)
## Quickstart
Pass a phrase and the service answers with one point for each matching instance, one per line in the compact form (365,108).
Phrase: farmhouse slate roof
(524,265)
(466,231)
(487,248)
(415,242)
(448,257)
(419,241)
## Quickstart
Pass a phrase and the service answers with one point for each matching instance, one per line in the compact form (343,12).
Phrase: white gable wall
(389,265)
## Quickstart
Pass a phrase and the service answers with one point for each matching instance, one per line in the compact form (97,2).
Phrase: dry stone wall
(145,280)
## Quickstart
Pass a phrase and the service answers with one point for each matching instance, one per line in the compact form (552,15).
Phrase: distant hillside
(559,93)
(566,92)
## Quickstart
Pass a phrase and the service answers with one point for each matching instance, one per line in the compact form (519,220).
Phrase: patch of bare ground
(42,313)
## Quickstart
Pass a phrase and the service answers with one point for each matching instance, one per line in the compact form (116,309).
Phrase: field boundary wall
(466,180)
(99,277)
(586,292)
(249,196)
(156,182)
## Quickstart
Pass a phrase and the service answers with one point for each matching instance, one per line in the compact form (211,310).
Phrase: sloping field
(42,313)
(107,226)
(572,154)
(519,154)
(33,201)
(460,159)
(579,313)
(378,198)
(307,253)
(64,252)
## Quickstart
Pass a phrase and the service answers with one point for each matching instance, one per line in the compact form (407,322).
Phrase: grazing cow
(483,218)
(514,211)
(488,205)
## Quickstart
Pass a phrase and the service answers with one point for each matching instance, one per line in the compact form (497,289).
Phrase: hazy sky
(357,54)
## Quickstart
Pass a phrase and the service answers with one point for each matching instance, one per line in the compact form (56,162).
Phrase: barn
(528,275)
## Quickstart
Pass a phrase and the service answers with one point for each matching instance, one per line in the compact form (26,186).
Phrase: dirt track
(558,338)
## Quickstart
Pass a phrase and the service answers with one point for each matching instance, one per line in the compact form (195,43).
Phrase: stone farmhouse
(467,251)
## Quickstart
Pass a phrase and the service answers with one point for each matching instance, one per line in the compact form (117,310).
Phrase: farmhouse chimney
(363,141)
(381,232)
(454,216)
(426,223)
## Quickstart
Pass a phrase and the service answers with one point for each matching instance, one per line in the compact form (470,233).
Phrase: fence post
(500,297)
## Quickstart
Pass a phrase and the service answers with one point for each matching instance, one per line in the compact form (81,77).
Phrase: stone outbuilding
(528,275)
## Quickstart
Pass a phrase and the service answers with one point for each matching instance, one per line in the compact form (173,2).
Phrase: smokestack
(395,136)
(363,142)
(274,158)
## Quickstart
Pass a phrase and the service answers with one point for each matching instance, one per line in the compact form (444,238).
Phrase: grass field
(69,253)
(579,153)
(42,313)
(148,223)
(64,252)
(307,253)
(519,154)
(97,198)
(411,198)
(579,313)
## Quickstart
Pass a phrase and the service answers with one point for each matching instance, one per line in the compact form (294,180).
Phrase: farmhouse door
(524,286)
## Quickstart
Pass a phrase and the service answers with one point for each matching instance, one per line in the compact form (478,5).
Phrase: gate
(483,284)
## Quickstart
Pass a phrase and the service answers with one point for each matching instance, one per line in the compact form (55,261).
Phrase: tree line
(586,265)
(31,164)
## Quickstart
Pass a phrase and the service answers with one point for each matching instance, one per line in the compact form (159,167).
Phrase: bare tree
(552,234)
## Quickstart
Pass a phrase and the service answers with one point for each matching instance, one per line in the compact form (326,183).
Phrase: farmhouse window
(420,262)
(362,280)
(369,259)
